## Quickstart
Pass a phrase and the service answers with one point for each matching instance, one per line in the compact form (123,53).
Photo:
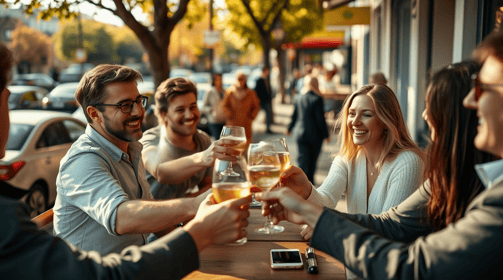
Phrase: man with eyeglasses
(103,201)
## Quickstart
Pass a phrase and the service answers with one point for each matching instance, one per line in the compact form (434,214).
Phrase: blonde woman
(378,164)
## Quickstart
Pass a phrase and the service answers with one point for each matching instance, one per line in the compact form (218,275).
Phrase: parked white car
(38,140)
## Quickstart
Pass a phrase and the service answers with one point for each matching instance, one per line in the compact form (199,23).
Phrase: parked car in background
(61,98)
(179,72)
(228,79)
(26,97)
(35,79)
(201,78)
(74,73)
(203,121)
(37,142)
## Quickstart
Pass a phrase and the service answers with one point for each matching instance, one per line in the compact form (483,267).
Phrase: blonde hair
(396,136)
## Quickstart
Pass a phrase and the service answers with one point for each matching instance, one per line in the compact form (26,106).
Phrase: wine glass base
(238,242)
(270,229)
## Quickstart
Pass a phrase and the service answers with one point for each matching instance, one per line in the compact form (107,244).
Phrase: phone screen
(286,257)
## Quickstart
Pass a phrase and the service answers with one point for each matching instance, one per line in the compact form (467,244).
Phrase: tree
(255,20)
(96,40)
(154,37)
(30,46)
(128,45)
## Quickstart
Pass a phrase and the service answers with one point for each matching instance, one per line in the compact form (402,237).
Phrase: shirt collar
(114,151)
(490,173)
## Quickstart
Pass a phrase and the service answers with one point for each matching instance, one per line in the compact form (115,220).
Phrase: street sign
(347,16)
(211,38)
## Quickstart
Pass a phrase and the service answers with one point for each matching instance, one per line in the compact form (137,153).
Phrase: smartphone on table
(286,259)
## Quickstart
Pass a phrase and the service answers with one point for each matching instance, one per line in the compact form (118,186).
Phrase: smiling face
(365,127)
(489,108)
(182,115)
(118,127)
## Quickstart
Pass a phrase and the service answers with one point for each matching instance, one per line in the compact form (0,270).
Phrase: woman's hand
(295,179)
(283,204)
(306,231)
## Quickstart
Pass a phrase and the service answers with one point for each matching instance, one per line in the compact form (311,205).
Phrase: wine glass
(265,168)
(238,138)
(282,150)
(227,186)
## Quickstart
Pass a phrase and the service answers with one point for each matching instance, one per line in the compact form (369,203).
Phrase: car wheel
(37,200)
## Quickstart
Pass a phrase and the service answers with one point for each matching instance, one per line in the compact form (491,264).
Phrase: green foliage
(300,18)
(97,42)
(128,45)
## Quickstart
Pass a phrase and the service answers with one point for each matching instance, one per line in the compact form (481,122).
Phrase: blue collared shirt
(95,176)
(490,173)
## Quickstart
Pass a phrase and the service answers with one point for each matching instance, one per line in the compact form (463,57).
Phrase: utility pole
(211,48)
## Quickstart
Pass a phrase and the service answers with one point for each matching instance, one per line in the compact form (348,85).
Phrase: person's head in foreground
(176,106)
(371,120)
(6,62)
(112,104)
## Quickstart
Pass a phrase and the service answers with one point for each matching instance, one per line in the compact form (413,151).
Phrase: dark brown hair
(452,154)
(91,91)
(491,46)
(6,62)
(171,88)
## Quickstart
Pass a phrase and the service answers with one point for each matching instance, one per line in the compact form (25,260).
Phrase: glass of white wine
(265,168)
(238,142)
(282,149)
(227,187)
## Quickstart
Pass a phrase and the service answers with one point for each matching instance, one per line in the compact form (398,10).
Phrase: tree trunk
(281,65)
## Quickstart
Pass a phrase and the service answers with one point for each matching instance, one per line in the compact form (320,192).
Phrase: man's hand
(285,204)
(221,149)
(219,223)
(294,178)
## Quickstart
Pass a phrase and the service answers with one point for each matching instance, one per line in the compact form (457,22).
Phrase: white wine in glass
(238,138)
(265,168)
(282,150)
(227,187)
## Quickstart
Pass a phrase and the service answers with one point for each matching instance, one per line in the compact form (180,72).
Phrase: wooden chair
(44,220)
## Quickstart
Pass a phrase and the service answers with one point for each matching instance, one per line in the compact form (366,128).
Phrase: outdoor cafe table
(252,261)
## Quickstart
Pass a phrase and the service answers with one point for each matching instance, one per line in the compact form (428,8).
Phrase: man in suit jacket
(308,127)
(400,244)
(263,90)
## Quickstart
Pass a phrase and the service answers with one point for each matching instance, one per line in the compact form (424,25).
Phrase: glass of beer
(238,138)
(227,186)
(265,168)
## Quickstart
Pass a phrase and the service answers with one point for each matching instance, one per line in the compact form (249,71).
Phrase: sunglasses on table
(127,106)
(479,87)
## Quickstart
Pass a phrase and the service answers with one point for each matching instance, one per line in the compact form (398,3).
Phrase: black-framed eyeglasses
(127,106)
(479,87)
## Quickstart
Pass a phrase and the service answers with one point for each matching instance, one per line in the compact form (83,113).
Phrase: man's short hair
(91,91)
(6,62)
(492,45)
(171,88)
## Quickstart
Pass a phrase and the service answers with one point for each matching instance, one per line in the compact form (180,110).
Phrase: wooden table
(252,261)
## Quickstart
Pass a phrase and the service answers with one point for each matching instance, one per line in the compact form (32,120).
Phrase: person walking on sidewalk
(263,90)
(308,127)
(213,106)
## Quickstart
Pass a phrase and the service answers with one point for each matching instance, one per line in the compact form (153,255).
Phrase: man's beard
(123,134)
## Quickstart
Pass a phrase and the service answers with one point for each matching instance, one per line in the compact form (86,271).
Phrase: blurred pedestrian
(378,78)
(308,127)
(293,84)
(30,253)
(213,106)
(241,105)
(263,90)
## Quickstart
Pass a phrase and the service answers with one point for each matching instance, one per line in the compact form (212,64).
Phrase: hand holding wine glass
(237,137)
(265,168)
(229,186)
